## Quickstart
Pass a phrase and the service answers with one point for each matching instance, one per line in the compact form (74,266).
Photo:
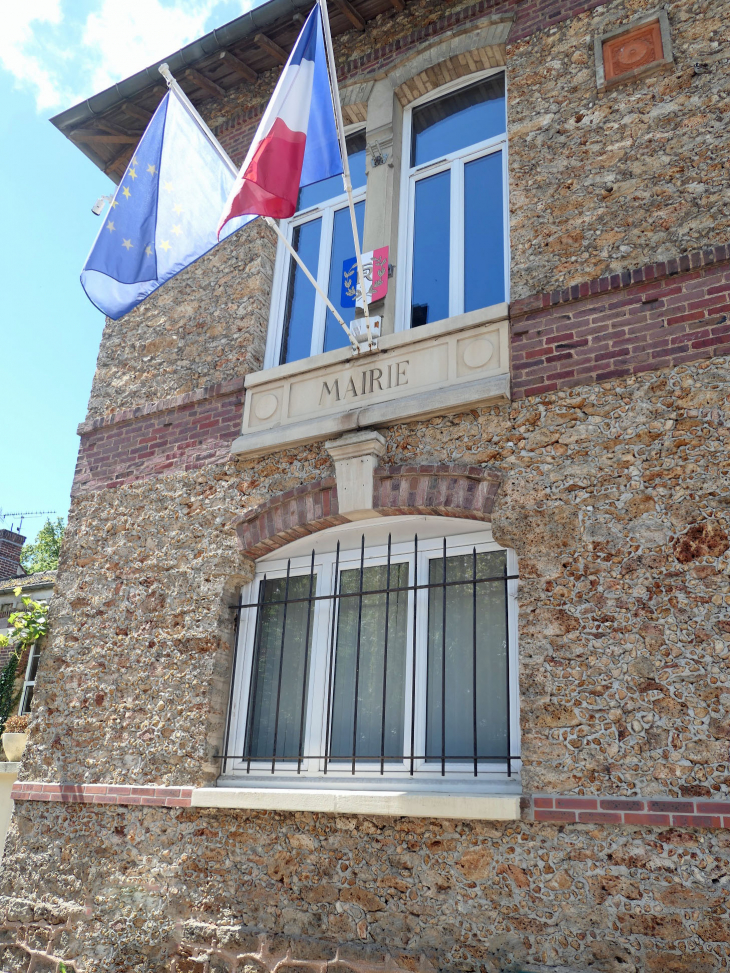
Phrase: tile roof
(40,578)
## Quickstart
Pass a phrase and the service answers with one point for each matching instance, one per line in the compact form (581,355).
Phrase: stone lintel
(356,456)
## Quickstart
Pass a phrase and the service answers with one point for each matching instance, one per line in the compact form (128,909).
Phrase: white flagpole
(345,164)
(192,111)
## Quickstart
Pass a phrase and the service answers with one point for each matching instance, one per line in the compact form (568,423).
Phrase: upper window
(456,200)
(378,654)
(321,233)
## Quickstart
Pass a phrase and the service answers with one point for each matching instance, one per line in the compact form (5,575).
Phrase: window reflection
(483,232)
(299,313)
(343,247)
(470,115)
(430,294)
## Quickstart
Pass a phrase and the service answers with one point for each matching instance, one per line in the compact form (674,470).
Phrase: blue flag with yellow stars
(164,214)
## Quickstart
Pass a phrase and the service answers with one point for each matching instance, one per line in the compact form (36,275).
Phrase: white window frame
(277,309)
(28,683)
(455,161)
(461,538)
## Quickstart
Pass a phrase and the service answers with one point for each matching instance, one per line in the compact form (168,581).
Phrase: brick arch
(450,69)
(439,490)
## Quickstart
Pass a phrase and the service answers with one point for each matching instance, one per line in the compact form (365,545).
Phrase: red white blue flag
(296,143)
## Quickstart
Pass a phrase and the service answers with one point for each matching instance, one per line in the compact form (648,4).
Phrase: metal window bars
(447,760)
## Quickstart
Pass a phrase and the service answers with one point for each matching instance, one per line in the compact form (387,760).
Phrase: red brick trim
(436,489)
(184,432)
(693,260)
(103,794)
(663,315)
(441,489)
(653,811)
(288,516)
(650,811)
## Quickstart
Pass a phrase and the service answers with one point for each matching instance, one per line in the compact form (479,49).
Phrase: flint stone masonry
(587,210)
(217,889)
(203,328)
(624,628)
(609,488)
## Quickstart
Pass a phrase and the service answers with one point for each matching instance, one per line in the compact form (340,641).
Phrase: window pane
(275,662)
(33,668)
(374,729)
(451,656)
(431,227)
(456,121)
(27,701)
(319,192)
(343,247)
(299,312)
(483,232)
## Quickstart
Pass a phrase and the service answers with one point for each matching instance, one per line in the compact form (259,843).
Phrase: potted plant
(15,736)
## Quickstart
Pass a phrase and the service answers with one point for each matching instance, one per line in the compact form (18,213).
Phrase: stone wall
(612,491)
(626,178)
(610,498)
(223,891)
(204,327)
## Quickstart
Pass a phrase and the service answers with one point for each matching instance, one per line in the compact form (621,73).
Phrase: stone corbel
(356,455)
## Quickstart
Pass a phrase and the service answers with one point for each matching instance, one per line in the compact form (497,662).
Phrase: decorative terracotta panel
(637,48)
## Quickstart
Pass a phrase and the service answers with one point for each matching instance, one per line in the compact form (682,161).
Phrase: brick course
(629,811)
(102,794)
(536,807)
(185,432)
(658,316)
(438,489)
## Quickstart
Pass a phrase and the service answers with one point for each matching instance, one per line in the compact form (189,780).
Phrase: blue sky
(54,53)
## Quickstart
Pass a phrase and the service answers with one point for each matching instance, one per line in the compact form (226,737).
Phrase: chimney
(11,545)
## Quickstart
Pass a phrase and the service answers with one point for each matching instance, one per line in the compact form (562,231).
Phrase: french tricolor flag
(296,143)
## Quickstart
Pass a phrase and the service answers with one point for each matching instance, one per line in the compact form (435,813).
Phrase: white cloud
(19,53)
(63,54)
(128,38)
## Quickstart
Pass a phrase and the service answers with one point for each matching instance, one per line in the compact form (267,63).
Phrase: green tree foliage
(24,628)
(42,554)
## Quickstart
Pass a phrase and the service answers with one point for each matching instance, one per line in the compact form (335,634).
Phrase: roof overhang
(107,126)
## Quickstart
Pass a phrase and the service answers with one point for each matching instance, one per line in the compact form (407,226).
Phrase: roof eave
(221,37)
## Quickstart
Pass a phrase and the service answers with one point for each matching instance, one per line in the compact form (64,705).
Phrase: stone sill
(480,807)
(10,767)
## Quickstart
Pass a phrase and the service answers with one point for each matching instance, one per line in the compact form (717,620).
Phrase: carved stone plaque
(439,368)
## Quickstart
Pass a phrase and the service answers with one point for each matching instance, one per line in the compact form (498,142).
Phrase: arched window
(380,649)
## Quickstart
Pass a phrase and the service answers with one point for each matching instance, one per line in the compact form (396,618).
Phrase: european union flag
(164,214)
